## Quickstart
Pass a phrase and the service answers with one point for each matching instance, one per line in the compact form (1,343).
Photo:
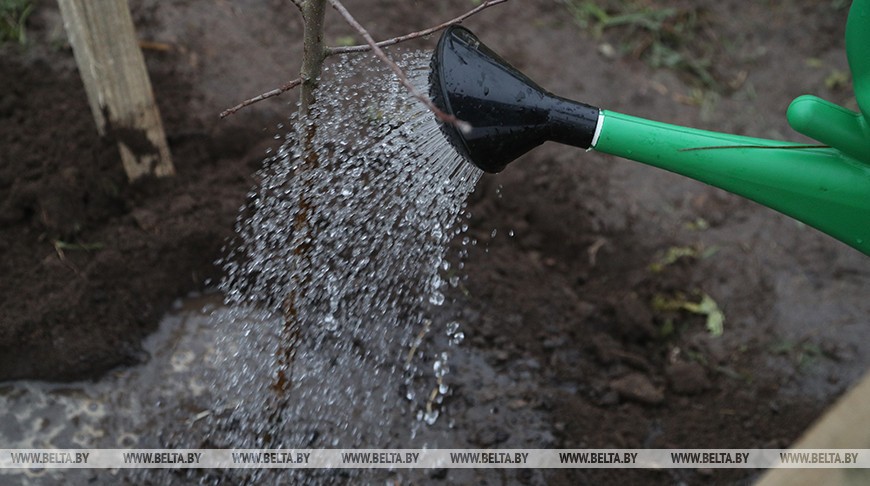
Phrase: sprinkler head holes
(509,113)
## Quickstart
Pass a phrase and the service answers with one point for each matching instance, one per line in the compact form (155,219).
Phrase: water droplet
(330,323)
(452,327)
(436,298)
(431,417)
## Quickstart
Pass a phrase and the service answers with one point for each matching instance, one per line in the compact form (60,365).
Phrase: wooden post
(119,91)
(846,425)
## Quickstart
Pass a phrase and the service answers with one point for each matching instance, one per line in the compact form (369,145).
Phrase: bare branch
(332,51)
(298,4)
(269,94)
(403,78)
(413,35)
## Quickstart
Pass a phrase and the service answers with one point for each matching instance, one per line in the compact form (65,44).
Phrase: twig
(775,147)
(403,78)
(269,94)
(332,51)
(298,4)
(413,35)
(427,324)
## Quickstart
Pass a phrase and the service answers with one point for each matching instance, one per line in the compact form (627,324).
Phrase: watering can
(826,186)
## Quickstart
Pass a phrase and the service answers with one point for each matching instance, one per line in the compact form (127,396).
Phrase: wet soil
(566,346)
(91,261)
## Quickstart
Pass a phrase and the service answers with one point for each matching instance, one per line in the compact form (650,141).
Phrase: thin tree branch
(269,94)
(775,147)
(298,4)
(331,51)
(403,78)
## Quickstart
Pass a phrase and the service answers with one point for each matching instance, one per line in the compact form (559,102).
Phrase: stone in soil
(637,388)
(687,378)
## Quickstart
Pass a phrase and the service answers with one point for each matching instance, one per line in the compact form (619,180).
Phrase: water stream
(347,251)
(332,331)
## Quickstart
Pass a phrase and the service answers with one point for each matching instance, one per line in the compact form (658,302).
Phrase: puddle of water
(131,407)
(175,400)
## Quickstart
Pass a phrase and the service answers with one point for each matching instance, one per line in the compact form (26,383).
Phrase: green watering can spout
(826,186)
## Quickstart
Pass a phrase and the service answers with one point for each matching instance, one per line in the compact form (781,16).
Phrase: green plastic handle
(825,187)
(858,51)
(843,129)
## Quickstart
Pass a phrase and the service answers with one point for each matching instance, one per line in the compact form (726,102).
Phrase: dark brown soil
(91,261)
(562,294)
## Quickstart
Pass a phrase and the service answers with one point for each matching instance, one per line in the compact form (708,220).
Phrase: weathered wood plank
(119,90)
(846,425)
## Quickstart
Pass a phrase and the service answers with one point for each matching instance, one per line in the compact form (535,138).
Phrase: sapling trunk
(314,53)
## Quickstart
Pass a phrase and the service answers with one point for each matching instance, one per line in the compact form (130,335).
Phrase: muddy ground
(565,298)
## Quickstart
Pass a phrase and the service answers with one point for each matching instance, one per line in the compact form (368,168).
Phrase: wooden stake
(119,91)
(846,425)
